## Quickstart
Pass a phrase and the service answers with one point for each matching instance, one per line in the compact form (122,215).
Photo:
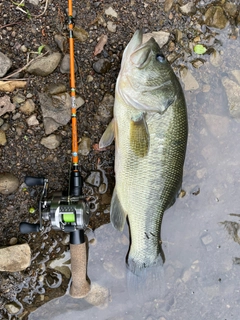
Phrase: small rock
(3,139)
(28,107)
(168,5)
(12,307)
(230,8)
(16,116)
(15,258)
(5,64)
(207,239)
(65,64)
(85,146)
(45,65)
(34,2)
(61,41)
(94,178)
(56,88)
(13,241)
(112,27)
(51,142)
(8,183)
(215,17)
(89,78)
(102,66)
(161,37)
(18,98)
(32,120)
(80,34)
(1,122)
(190,83)
(197,63)
(233,95)
(6,105)
(188,9)
(111,12)
(24,48)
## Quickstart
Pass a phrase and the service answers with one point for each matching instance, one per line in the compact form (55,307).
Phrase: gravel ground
(23,154)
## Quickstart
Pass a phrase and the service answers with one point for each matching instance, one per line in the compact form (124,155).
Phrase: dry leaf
(101,43)
(9,86)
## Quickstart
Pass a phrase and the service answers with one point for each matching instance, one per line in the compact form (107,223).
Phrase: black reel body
(66,211)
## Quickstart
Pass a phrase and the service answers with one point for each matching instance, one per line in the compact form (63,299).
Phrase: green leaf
(199,49)
(40,49)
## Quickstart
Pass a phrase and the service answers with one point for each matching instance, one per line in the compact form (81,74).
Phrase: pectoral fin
(139,136)
(117,214)
(108,135)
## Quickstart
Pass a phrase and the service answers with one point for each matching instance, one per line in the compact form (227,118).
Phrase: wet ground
(200,279)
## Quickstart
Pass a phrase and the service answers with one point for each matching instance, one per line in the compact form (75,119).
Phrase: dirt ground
(25,155)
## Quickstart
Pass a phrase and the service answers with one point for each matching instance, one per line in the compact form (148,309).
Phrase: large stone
(45,65)
(5,64)
(15,258)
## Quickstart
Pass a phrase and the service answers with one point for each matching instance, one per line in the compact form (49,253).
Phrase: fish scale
(150,128)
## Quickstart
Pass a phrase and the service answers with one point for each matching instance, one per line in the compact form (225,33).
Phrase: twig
(41,14)
(24,67)
(10,24)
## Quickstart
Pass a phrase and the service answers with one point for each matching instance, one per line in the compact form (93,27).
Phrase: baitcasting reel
(67,211)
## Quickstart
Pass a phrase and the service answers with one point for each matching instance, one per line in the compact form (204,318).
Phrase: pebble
(111,12)
(15,258)
(216,59)
(207,239)
(24,48)
(215,17)
(45,65)
(19,98)
(13,241)
(8,183)
(56,88)
(102,66)
(16,116)
(84,146)
(89,78)
(12,308)
(111,26)
(3,139)
(94,178)
(51,142)
(80,34)
(168,5)
(28,107)
(1,122)
(6,105)
(190,83)
(5,64)
(32,120)
(188,9)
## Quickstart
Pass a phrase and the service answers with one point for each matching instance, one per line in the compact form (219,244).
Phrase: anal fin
(117,214)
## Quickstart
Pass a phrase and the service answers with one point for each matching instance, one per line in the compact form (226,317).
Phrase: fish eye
(160,57)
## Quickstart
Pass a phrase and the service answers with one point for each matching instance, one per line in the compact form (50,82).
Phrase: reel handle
(26,227)
(34,181)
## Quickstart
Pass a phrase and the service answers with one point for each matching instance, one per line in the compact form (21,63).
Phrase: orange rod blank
(73,91)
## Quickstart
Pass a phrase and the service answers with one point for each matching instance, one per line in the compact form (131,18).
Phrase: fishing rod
(67,210)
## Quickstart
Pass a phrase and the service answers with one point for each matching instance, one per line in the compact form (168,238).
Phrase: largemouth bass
(150,129)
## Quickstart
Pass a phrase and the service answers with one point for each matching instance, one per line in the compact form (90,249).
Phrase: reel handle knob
(34,181)
(26,227)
